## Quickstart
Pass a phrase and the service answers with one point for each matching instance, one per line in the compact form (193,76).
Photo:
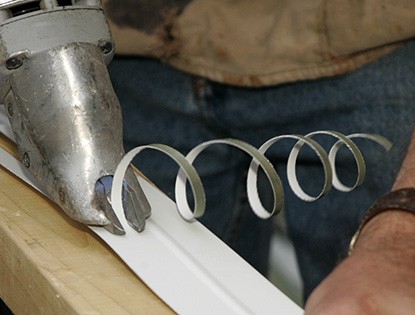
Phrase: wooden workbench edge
(52,265)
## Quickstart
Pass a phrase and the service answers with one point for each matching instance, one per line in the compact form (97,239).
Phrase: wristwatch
(402,199)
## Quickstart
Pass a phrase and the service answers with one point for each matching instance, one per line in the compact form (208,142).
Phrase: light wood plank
(50,264)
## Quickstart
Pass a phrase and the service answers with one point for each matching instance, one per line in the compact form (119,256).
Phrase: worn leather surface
(263,42)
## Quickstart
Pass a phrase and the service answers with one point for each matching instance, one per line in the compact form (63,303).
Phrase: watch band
(402,199)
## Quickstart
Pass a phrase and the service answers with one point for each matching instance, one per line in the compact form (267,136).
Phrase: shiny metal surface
(11,3)
(30,33)
(67,122)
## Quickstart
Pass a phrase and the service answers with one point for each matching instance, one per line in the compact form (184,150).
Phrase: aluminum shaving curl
(188,173)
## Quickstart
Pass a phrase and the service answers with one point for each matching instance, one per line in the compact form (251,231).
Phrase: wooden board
(50,264)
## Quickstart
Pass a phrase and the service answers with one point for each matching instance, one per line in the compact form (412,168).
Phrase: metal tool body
(63,110)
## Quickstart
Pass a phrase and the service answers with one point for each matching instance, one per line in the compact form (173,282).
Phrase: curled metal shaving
(187,172)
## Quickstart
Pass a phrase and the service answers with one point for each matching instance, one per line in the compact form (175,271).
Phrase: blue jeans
(163,105)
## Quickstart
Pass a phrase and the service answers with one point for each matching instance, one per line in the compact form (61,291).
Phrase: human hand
(379,276)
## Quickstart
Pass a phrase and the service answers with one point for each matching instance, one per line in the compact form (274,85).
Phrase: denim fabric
(163,105)
(4,310)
